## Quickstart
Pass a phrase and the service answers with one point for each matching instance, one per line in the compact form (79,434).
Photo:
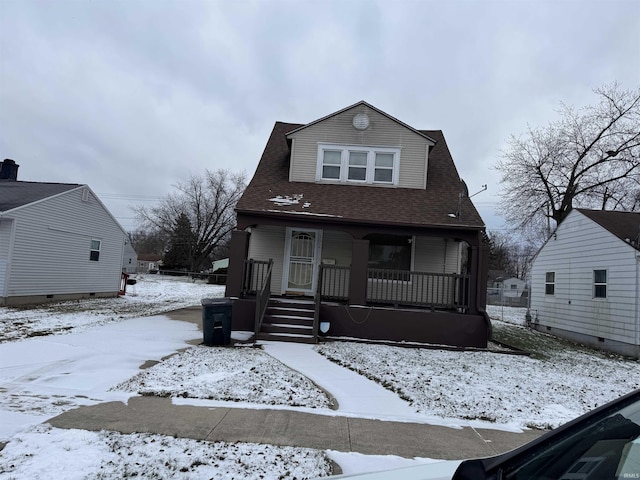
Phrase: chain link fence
(508,297)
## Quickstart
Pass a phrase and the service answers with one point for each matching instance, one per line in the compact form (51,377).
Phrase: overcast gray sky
(131,97)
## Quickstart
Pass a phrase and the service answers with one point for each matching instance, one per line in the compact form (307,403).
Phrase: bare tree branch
(587,158)
(208,202)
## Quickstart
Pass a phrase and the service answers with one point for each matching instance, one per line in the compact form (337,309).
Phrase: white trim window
(358,164)
(94,251)
(600,283)
(550,283)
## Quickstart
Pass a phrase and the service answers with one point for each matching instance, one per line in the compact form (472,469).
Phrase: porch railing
(262,296)
(333,282)
(436,290)
(384,286)
(255,273)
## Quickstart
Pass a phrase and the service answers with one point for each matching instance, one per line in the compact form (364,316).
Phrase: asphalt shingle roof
(356,203)
(624,225)
(14,194)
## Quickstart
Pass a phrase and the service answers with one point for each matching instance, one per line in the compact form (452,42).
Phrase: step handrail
(262,298)
(318,302)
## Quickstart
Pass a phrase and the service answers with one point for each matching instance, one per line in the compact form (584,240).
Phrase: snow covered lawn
(240,374)
(50,453)
(152,294)
(566,381)
(98,358)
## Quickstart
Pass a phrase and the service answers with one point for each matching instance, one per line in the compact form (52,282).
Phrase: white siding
(429,255)
(51,248)
(6,226)
(382,132)
(337,246)
(580,247)
(267,242)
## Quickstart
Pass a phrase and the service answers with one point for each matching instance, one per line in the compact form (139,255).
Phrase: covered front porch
(338,279)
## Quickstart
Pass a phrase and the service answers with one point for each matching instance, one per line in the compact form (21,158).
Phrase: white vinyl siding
(580,247)
(6,226)
(382,132)
(267,242)
(436,255)
(337,247)
(51,247)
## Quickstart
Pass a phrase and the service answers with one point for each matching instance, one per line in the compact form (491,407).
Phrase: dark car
(603,444)
(600,445)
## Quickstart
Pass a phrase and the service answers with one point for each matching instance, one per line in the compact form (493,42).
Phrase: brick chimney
(9,170)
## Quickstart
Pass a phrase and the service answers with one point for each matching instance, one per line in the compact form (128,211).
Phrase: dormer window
(358,164)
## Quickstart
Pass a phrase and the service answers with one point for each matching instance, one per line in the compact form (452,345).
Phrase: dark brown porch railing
(262,297)
(255,273)
(435,290)
(333,282)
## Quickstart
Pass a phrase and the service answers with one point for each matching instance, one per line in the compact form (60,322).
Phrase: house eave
(290,216)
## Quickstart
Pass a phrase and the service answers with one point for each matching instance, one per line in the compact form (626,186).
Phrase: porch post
(358,274)
(478,284)
(484,275)
(473,284)
(238,250)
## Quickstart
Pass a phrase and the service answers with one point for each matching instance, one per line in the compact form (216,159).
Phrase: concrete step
(287,328)
(290,311)
(285,337)
(288,319)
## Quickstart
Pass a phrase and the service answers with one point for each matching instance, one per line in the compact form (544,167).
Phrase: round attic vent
(361,121)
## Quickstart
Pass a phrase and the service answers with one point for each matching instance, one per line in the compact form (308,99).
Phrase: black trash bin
(216,321)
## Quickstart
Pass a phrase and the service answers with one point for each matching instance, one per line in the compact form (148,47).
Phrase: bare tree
(509,256)
(208,202)
(148,242)
(588,158)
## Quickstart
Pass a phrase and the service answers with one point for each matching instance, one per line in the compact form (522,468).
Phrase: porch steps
(288,321)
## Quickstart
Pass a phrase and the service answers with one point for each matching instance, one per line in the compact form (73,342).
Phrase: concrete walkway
(287,427)
(355,394)
(357,398)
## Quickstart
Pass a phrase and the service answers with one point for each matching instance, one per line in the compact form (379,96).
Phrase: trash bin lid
(216,301)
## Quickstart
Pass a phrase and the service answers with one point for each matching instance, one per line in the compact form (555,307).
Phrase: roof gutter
(325,218)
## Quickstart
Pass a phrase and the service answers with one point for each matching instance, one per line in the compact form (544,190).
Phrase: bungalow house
(358,225)
(149,263)
(585,281)
(57,241)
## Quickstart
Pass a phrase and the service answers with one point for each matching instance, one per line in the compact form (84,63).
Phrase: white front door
(302,251)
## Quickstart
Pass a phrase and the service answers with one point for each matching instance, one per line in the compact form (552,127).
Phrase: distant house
(513,287)
(358,225)
(57,241)
(129,259)
(586,281)
(149,263)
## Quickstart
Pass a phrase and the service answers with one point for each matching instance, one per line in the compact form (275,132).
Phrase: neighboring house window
(94,254)
(391,252)
(550,283)
(514,286)
(358,164)
(600,284)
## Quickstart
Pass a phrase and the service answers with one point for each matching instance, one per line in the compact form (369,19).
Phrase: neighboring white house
(57,241)
(513,287)
(585,281)
(129,259)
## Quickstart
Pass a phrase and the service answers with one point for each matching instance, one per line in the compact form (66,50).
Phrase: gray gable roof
(624,225)
(14,194)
